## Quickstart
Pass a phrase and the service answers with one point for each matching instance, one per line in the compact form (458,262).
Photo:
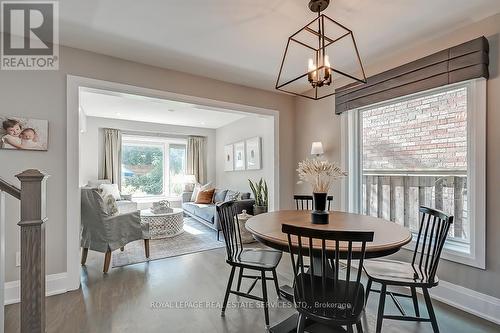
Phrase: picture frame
(18,133)
(253,153)
(228,158)
(239,156)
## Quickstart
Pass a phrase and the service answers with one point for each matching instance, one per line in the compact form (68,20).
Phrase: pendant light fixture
(316,55)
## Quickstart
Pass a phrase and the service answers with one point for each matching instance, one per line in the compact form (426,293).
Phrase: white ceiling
(243,41)
(106,104)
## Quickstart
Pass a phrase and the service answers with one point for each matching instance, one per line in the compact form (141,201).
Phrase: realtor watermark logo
(30,35)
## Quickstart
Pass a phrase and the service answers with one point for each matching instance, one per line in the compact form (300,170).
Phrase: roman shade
(459,63)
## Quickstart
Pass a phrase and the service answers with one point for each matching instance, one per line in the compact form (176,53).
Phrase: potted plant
(261,195)
(320,174)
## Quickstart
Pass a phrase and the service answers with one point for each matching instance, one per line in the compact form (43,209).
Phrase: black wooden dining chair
(322,294)
(262,260)
(420,273)
(305,202)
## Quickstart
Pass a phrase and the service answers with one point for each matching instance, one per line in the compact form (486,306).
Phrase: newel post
(33,218)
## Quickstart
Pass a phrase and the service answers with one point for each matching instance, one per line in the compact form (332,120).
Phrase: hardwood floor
(137,298)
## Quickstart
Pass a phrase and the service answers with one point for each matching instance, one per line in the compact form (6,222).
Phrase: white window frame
(474,254)
(143,140)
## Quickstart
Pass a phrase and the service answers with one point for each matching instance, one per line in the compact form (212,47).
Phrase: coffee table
(163,225)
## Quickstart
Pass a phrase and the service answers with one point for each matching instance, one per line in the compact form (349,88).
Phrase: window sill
(456,252)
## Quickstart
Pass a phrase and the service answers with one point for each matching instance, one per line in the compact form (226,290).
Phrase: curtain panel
(111,166)
(197,158)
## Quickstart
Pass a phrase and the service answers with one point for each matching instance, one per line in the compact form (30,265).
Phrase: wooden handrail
(33,220)
(32,197)
(10,189)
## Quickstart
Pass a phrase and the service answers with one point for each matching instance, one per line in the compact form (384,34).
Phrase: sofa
(206,213)
(124,204)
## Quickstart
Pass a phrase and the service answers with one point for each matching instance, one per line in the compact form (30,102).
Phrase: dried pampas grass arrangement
(320,174)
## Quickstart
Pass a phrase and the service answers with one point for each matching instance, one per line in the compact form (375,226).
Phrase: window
(153,166)
(177,163)
(424,149)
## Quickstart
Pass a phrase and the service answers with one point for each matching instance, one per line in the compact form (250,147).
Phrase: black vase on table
(319,214)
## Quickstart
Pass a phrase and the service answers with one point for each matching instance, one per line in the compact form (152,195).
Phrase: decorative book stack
(161,207)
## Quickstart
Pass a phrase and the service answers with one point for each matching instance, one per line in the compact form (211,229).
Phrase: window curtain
(111,166)
(197,158)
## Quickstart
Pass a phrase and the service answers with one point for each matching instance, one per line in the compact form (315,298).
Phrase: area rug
(195,238)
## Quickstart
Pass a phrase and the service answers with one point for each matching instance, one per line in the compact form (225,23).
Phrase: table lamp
(189,181)
(317,148)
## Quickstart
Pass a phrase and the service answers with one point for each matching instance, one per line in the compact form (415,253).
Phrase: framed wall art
(253,153)
(228,158)
(239,155)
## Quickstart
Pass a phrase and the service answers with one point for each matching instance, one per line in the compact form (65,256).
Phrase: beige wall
(42,94)
(245,128)
(316,121)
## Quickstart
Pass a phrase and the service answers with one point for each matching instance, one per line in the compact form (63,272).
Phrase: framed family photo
(18,133)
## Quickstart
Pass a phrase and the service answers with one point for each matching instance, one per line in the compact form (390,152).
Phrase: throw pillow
(197,188)
(232,195)
(110,205)
(219,195)
(244,196)
(205,196)
(110,189)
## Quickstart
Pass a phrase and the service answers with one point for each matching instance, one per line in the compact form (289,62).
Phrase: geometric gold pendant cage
(330,48)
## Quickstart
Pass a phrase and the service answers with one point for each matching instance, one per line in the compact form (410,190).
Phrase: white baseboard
(54,284)
(468,300)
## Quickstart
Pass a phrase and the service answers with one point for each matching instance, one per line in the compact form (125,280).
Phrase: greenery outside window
(153,166)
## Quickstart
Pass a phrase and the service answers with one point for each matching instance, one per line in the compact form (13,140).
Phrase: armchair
(124,204)
(105,233)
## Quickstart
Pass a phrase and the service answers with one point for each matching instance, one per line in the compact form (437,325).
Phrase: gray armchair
(105,233)
(125,203)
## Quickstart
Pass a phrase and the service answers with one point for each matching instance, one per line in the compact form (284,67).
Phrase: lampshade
(317,148)
(189,179)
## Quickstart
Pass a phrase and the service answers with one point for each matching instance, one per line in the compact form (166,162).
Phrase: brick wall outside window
(427,133)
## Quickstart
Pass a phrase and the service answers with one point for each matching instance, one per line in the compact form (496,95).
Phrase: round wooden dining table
(388,238)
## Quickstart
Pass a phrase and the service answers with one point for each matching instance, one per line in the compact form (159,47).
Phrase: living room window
(153,166)
(424,149)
